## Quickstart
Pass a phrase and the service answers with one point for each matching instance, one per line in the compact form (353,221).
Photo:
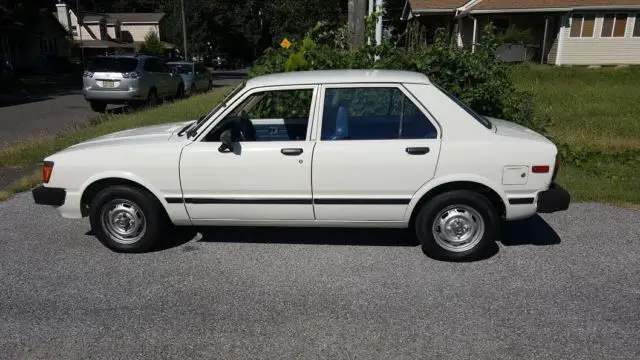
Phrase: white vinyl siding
(599,50)
(139,31)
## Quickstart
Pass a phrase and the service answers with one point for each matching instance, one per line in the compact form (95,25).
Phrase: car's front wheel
(456,225)
(127,219)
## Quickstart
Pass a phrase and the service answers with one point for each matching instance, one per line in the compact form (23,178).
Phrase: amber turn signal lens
(47,168)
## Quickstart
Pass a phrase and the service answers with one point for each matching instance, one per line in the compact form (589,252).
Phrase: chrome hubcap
(458,228)
(123,221)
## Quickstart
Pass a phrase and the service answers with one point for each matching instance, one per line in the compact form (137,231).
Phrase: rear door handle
(417,150)
(291,151)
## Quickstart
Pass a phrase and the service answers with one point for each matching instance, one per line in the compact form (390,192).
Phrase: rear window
(479,118)
(114,64)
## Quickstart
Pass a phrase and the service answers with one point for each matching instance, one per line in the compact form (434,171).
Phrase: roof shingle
(126,17)
(417,5)
(549,4)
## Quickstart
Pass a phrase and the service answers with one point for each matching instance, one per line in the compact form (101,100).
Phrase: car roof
(339,77)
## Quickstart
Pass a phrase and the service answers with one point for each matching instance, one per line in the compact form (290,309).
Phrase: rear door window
(113,64)
(373,113)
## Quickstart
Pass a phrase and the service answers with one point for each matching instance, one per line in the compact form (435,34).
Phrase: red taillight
(47,168)
(540,169)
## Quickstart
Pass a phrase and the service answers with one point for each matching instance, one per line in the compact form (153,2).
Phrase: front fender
(126,176)
(435,182)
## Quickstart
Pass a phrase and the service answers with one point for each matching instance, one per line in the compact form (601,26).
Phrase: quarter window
(614,25)
(582,25)
(273,115)
(370,113)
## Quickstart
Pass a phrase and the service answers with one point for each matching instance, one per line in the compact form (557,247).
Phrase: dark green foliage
(152,45)
(477,79)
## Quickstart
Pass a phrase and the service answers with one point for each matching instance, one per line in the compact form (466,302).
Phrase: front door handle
(291,151)
(417,150)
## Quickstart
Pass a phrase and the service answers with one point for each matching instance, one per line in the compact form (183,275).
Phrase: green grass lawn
(594,108)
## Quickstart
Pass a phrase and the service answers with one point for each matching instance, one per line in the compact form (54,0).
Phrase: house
(108,33)
(33,41)
(561,32)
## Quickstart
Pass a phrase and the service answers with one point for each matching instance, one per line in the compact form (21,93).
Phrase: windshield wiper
(197,122)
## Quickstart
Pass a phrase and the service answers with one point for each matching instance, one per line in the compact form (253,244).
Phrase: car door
(376,147)
(267,176)
(154,70)
(169,79)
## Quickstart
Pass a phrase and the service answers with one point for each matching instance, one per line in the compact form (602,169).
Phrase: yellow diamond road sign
(285,43)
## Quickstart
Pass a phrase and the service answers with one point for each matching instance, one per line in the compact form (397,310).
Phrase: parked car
(195,76)
(352,148)
(129,79)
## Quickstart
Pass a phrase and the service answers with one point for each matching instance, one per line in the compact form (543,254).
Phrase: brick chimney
(63,15)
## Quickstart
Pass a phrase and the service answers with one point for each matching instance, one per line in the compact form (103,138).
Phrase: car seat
(342,124)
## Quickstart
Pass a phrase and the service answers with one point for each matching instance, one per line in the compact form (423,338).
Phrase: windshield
(196,125)
(182,68)
(114,64)
(481,119)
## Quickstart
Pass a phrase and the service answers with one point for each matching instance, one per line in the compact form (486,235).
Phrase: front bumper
(554,199)
(49,196)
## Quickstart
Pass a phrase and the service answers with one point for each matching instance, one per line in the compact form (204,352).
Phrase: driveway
(239,293)
(60,111)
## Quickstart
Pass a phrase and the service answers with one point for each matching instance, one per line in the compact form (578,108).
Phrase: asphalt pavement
(560,286)
(62,110)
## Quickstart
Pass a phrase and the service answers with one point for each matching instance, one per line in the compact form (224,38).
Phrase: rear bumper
(554,199)
(114,96)
(43,195)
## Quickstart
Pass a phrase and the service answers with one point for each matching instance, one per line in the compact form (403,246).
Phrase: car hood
(513,130)
(137,135)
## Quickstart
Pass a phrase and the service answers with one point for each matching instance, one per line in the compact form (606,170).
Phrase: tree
(152,45)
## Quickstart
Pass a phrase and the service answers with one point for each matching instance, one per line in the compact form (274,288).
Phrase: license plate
(107,83)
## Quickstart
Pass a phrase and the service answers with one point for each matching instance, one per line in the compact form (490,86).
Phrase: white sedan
(343,148)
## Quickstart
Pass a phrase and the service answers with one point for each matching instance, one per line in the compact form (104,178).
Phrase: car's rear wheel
(456,225)
(152,98)
(127,219)
(180,91)
(98,106)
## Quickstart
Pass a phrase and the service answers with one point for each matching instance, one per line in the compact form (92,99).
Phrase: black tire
(153,217)
(470,209)
(98,106)
(152,98)
(180,91)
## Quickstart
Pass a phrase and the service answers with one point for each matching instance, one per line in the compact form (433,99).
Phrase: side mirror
(226,139)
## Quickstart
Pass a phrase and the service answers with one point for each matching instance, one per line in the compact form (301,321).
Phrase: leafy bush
(152,45)
(478,79)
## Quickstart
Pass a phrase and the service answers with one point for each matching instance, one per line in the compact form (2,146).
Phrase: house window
(636,29)
(48,46)
(582,25)
(614,25)
(74,30)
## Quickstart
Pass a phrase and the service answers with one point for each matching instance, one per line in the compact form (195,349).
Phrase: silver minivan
(131,80)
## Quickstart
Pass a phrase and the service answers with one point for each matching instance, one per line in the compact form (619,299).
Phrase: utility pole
(184,32)
(79,26)
(357,11)
(379,22)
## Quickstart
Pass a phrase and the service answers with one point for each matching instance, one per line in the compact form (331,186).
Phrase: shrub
(478,79)
(152,45)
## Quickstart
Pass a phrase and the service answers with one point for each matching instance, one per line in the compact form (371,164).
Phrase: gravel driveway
(299,293)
